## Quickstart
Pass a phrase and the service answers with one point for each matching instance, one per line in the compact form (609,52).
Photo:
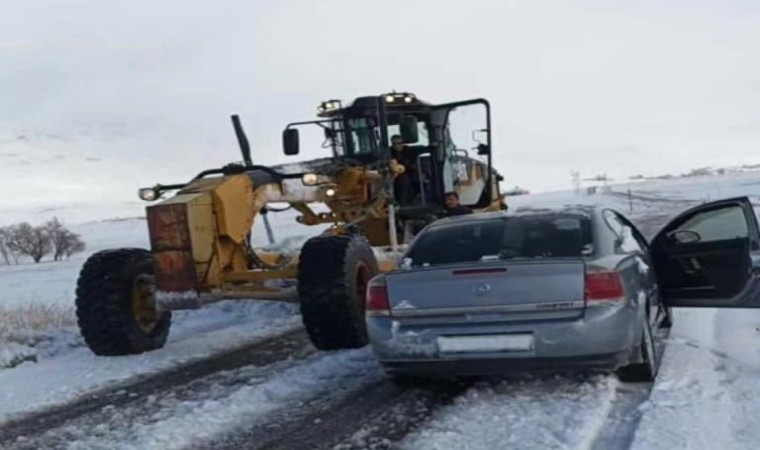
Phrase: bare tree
(30,241)
(59,237)
(36,242)
(74,244)
(5,252)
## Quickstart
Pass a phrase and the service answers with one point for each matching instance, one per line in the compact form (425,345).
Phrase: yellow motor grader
(376,197)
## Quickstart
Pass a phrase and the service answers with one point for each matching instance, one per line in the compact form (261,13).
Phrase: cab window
(362,137)
(422,133)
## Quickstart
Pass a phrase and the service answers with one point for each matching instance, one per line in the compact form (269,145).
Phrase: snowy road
(283,394)
(343,400)
(138,397)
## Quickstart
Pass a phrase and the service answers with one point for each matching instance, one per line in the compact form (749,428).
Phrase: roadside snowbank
(706,395)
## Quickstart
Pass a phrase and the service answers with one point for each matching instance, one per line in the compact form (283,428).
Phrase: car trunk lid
(491,291)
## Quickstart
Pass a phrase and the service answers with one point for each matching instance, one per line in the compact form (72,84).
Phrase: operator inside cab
(404,185)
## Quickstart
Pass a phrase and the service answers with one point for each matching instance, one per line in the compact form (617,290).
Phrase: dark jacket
(457,211)
(408,157)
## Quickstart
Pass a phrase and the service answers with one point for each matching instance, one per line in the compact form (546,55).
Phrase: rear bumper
(602,337)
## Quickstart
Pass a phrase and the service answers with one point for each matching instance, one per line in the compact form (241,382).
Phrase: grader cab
(200,236)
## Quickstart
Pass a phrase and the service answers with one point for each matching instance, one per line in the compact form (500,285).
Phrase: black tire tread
(103,304)
(332,315)
(637,372)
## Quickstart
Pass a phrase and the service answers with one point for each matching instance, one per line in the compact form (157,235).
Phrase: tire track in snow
(223,403)
(373,416)
(411,413)
(619,427)
(264,353)
(531,412)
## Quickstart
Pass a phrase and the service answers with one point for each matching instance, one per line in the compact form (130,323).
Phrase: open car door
(709,256)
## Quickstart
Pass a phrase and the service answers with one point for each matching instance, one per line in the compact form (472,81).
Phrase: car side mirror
(290,141)
(409,130)
(484,149)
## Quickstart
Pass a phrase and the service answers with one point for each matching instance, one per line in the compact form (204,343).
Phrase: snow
(251,398)
(555,412)
(77,372)
(705,396)
(13,354)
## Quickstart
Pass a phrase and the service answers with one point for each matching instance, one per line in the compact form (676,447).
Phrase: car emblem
(481,289)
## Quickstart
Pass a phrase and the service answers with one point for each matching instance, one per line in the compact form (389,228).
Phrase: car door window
(707,255)
(717,225)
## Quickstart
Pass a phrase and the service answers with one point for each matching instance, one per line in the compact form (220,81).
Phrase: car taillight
(377,297)
(604,287)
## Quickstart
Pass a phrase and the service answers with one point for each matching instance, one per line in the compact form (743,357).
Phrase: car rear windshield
(550,235)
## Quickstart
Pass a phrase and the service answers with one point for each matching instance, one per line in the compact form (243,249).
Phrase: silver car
(556,288)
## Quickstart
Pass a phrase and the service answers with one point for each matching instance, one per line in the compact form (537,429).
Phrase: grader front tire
(333,272)
(113,309)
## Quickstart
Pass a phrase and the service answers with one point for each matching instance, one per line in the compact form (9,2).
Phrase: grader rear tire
(113,308)
(333,272)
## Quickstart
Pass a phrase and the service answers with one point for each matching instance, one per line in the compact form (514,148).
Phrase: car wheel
(646,370)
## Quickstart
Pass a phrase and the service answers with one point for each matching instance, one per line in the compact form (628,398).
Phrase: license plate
(489,343)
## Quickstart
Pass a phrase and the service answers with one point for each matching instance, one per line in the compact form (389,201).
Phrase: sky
(102,97)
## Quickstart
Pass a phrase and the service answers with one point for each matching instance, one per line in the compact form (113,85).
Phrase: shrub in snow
(13,354)
(35,317)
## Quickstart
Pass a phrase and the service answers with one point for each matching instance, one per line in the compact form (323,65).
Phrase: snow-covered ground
(65,370)
(222,408)
(541,414)
(70,370)
(705,397)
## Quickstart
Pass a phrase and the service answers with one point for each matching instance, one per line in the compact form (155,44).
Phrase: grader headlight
(314,179)
(148,194)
